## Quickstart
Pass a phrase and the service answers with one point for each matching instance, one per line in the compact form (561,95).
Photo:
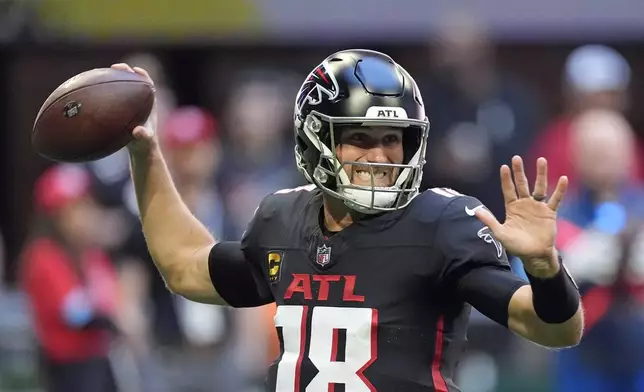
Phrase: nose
(377,154)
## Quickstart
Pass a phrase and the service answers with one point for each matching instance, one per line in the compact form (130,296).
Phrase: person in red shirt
(71,285)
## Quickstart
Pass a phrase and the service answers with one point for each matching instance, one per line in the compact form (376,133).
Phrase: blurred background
(564,80)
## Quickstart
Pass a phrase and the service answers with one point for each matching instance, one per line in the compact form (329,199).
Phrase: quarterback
(373,279)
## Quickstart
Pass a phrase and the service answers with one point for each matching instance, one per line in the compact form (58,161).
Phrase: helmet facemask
(317,148)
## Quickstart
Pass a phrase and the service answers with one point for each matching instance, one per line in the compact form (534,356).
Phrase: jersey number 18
(360,325)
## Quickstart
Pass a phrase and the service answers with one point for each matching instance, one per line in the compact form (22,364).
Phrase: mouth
(381,177)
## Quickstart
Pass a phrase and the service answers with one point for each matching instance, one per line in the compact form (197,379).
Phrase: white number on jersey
(360,325)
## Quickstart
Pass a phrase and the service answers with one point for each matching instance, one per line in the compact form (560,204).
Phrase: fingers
(142,133)
(122,67)
(541,183)
(137,70)
(143,73)
(489,220)
(520,179)
(507,185)
(559,193)
(151,123)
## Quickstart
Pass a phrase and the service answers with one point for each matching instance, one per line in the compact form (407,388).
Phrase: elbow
(186,274)
(556,340)
(566,335)
(577,336)
(173,286)
(563,341)
(171,272)
(175,282)
(575,328)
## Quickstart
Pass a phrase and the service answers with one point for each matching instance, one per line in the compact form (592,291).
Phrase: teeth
(365,175)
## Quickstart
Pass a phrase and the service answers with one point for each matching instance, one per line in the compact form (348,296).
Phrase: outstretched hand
(530,229)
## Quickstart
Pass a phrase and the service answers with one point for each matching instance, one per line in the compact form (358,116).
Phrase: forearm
(548,311)
(523,320)
(173,235)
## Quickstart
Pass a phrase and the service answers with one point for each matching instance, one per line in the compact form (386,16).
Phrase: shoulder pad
(284,200)
(430,205)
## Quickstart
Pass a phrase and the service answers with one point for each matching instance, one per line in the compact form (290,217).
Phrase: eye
(391,139)
(357,137)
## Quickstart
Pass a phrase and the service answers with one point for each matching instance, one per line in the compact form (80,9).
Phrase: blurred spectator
(259,158)
(603,153)
(71,284)
(601,223)
(192,149)
(595,77)
(480,116)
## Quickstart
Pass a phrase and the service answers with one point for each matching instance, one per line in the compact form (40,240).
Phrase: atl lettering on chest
(302,284)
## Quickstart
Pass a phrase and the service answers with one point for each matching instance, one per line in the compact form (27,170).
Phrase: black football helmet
(359,88)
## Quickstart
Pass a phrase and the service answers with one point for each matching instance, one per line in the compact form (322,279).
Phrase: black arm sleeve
(489,290)
(236,268)
(477,266)
(234,277)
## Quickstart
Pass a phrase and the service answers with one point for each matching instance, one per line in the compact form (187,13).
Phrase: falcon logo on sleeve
(486,235)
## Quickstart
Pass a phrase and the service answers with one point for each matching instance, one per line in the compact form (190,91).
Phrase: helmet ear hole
(412,139)
(312,158)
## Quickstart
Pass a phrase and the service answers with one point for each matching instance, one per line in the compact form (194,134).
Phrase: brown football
(92,115)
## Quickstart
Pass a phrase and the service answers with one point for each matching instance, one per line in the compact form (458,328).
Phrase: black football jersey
(382,305)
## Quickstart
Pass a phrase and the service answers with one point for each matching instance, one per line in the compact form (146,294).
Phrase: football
(92,115)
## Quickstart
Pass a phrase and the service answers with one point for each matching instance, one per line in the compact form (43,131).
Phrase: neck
(74,249)
(73,245)
(337,216)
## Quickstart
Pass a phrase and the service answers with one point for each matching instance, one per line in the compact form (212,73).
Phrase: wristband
(555,299)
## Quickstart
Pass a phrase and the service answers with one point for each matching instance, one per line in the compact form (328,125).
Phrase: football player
(373,280)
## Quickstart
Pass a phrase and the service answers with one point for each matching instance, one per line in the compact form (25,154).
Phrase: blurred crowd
(98,309)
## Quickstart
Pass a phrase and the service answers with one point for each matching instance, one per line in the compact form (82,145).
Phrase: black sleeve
(477,267)
(236,269)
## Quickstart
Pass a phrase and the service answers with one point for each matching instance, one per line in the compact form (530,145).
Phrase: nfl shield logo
(324,255)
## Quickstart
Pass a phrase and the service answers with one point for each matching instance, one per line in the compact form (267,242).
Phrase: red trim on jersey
(374,350)
(300,357)
(437,378)
(334,345)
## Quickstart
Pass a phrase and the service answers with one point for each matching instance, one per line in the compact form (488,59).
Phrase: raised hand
(530,228)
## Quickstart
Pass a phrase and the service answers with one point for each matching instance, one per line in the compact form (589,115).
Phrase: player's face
(371,145)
